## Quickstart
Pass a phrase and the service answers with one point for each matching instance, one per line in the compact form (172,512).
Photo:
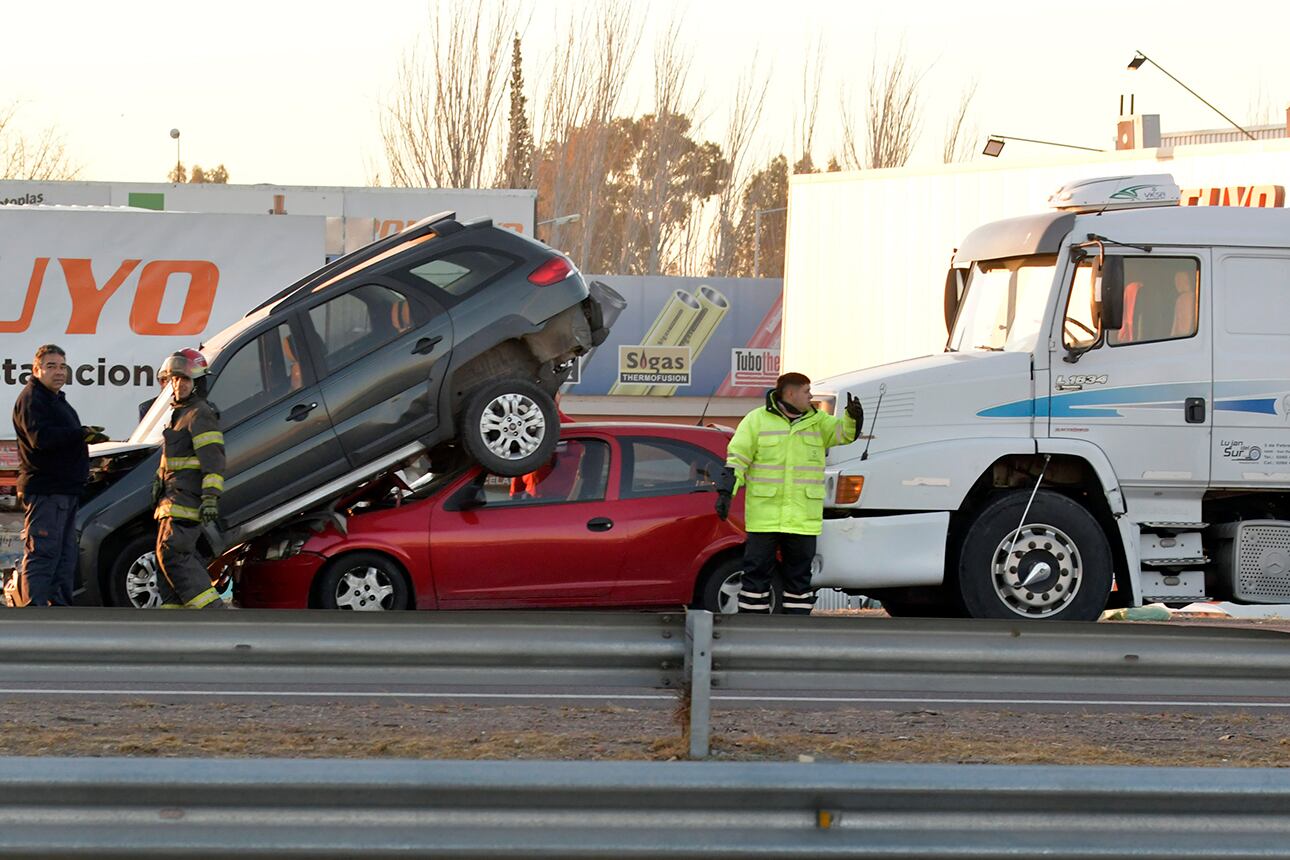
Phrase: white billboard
(356,216)
(120,290)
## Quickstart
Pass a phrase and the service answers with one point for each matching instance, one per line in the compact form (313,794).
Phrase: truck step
(1175,527)
(1194,561)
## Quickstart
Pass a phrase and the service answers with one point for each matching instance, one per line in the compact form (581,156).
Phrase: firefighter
(188,484)
(777,453)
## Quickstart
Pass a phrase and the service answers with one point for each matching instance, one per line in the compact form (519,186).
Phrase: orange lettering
(29,303)
(87,297)
(389,228)
(145,313)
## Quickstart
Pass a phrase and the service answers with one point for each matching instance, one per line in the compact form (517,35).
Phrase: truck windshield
(1003,306)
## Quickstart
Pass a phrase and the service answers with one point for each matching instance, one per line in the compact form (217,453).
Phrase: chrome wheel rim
(728,593)
(365,589)
(1039,576)
(512,426)
(141,582)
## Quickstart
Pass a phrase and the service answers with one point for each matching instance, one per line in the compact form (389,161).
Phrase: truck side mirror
(1111,293)
(953,296)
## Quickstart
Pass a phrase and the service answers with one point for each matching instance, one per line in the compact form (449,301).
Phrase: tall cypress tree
(519,147)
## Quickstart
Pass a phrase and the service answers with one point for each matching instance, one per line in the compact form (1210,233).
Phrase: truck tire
(1059,568)
(510,427)
(132,578)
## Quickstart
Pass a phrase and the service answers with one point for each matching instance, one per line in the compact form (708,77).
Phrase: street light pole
(179,164)
(757,237)
(1136,63)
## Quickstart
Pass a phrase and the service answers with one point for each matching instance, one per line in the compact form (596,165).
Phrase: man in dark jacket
(188,485)
(53,469)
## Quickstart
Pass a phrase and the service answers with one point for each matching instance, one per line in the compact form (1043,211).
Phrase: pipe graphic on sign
(713,307)
(669,327)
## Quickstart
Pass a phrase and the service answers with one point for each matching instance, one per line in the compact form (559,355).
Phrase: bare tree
(651,216)
(440,125)
(812,80)
(960,141)
(893,116)
(583,88)
(746,110)
(41,158)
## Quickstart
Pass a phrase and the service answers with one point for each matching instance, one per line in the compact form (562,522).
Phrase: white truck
(1109,420)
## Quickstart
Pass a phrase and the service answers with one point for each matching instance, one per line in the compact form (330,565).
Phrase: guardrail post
(698,672)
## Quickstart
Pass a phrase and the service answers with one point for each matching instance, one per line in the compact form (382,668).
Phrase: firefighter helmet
(188,363)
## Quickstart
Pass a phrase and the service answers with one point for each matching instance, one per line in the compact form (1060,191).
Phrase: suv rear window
(461,272)
(361,320)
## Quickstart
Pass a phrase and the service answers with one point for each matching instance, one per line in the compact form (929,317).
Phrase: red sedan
(622,516)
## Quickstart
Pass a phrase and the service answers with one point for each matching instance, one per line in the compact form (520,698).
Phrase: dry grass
(610,732)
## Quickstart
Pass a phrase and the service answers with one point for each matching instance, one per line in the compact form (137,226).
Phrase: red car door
(668,486)
(547,539)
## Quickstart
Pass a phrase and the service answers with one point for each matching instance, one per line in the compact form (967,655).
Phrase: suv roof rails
(443,223)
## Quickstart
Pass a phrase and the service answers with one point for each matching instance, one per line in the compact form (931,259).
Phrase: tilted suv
(446,335)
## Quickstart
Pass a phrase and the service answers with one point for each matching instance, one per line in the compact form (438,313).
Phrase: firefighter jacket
(192,460)
(781,465)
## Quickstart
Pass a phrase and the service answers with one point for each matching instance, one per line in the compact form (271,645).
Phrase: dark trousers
(48,571)
(795,552)
(184,580)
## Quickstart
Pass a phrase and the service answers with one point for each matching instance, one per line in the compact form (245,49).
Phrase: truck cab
(1109,422)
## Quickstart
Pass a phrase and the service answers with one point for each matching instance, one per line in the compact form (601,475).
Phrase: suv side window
(459,273)
(259,374)
(364,319)
(662,467)
(1161,300)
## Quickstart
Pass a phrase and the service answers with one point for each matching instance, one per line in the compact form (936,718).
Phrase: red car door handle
(600,524)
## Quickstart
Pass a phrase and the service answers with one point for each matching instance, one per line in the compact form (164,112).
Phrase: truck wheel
(510,427)
(132,580)
(362,581)
(1058,569)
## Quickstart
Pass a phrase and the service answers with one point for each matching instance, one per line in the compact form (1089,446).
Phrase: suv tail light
(553,271)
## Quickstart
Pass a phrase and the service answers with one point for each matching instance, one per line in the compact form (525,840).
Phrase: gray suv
(448,338)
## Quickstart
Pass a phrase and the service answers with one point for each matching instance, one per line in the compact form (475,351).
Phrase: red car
(622,516)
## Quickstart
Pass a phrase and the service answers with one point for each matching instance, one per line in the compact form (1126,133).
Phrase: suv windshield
(1003,305)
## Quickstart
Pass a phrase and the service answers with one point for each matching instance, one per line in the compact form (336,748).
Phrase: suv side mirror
(1110,293)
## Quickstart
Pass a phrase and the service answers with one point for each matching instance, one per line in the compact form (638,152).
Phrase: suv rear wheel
(510,427)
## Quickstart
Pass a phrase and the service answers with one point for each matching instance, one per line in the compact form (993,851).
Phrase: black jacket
(54,459)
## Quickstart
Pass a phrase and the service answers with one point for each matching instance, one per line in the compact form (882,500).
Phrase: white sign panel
(121,290)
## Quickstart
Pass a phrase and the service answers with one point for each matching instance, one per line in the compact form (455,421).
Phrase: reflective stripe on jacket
(192,460)
(781,466)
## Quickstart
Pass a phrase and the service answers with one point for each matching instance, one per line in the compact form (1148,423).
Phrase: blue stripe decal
(1259,406)
(1108,402)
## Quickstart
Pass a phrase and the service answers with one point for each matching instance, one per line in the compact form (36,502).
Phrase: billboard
(689,337)
(120,290)
(356,216)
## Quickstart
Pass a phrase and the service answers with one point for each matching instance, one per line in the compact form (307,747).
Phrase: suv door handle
(1194,410)
(427,344)
(300,411)
(600,524)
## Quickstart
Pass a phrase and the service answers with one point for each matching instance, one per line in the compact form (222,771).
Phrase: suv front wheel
(510,427)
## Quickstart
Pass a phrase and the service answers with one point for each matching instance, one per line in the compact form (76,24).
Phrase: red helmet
(187,363)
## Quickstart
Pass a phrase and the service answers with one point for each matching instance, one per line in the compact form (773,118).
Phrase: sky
(291,93)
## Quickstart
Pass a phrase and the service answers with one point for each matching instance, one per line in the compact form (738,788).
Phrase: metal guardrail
(339,808)
(695,651)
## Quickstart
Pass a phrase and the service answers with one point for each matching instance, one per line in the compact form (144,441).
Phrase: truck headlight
(849,489)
